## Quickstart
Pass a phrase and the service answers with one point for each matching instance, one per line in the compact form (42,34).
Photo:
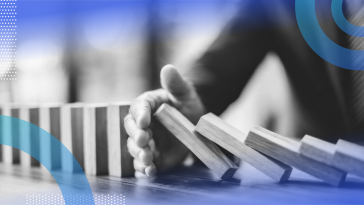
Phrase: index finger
(141,108)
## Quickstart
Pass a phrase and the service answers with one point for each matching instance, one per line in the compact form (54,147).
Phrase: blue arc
(315,37)
(342,22)
(70,184)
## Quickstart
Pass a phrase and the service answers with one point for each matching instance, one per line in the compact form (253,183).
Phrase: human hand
(152,146)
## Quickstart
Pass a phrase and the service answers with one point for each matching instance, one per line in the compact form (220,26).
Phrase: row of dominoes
(93,133)
(268,152)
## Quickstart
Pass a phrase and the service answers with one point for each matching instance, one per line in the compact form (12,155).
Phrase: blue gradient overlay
(70,184)
(45,19)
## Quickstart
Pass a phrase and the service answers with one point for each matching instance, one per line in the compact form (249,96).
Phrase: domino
(72,136)
(317,149)
(24,130)
(218,131)
(203,148)
(29,136)
(7,151)
(50,121)
(15,134)
(120,161)
(95,139)
(287,151)
(35,132)
(1,146)
(349,157)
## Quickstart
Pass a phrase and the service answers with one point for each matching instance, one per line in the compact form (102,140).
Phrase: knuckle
(149,98)
(146,156)
(139,104)
(147,94)
(127,119)
(142,138)
(138,137)
(136,165)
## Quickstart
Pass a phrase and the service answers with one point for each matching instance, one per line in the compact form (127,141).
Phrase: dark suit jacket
(270,25)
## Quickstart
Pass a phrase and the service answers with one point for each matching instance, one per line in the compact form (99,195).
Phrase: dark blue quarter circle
(66,181)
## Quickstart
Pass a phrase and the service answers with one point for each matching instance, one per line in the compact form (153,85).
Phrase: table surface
(186,185)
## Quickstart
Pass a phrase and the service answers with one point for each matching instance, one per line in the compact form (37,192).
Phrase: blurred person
(219,76)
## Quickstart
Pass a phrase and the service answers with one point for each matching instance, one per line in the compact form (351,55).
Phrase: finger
(144,155)
(172,81)
(140,109)
(144,105)
(139,175)
(153,148)
(151,144)
(140,167)
(140,136)
(151,170)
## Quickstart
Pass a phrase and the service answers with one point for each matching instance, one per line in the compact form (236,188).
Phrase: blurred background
(107,51)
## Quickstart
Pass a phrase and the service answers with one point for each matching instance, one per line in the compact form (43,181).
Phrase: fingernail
(142,138)
(142,119)
(151,144)
(150,171)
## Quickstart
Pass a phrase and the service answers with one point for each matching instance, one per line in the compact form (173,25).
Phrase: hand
(152,146)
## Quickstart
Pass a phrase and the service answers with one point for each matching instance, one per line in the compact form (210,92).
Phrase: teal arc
(316,38)
(70,184)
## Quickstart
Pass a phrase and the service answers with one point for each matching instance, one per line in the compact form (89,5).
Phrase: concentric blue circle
(342,22)
(317,39)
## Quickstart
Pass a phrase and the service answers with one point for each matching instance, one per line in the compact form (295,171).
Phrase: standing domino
(72,136)
(50,121)
(120,160)
(95,139)
(29,135)
(6,129)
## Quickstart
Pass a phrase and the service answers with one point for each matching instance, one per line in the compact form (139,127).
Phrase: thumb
(172,81)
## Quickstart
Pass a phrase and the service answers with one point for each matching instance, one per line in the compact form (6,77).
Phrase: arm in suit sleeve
(222,72)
